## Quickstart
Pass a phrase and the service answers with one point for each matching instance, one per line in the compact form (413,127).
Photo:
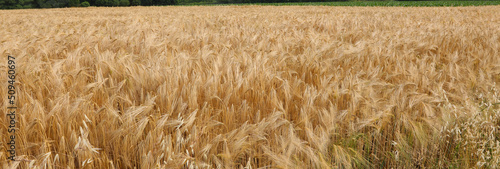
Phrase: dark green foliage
(196,2)
(101,2)
(29,4)
(42,4)
(11,4)
(105,3)
(164,2)
(20,4)
(56,3)
(124,3)
(74,3)
(109,3)
(157,2)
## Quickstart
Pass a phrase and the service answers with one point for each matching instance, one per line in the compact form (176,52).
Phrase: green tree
(57,3)
(109,3)
(136,2)
(74,3)
(43,4)
(146,2)
(124,3)
(101,2)
(12,4)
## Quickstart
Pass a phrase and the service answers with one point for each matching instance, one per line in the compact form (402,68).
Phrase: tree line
(23,4)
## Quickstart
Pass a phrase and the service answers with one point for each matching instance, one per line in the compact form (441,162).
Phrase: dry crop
(254,86)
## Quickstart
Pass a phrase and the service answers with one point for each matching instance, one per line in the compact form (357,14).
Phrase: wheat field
(253,87)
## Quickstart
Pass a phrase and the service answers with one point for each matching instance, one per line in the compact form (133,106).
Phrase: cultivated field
(253,86)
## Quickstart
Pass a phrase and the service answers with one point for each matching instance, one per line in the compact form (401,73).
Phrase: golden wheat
(253,86)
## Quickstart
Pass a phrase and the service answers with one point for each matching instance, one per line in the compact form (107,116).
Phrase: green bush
(85,4)
(136,2)
(115,2)
(124,3)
